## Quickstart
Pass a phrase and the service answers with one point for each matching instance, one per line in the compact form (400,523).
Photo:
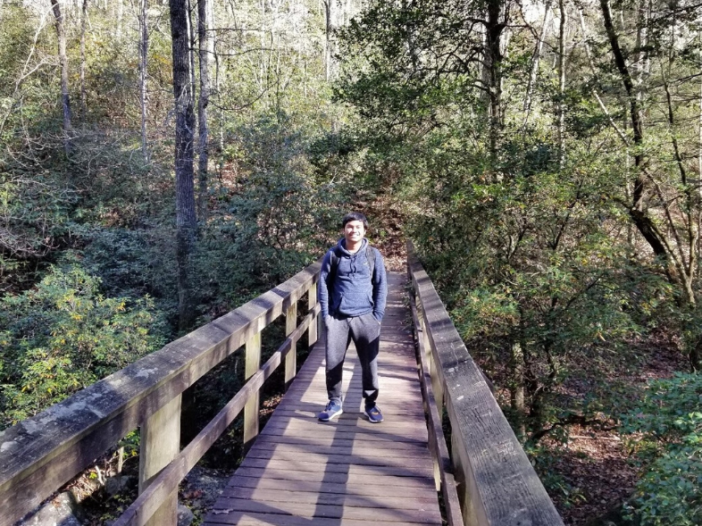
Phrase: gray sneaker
(332,410)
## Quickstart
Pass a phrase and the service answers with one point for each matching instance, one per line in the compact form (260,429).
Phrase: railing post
(291,358)
(252,363)
(160,443)
(311,303)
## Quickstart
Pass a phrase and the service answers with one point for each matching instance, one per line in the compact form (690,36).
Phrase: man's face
(354,231)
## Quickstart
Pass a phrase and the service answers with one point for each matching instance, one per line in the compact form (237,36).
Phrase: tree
(206,50)
(186,222)
(63,60)
(143,72)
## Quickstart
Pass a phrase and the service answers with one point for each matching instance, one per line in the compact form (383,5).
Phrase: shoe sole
(371,420)
(335,415)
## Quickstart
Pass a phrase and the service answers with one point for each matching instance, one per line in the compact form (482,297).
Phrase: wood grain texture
(499,484)
(444,468)
(348,471)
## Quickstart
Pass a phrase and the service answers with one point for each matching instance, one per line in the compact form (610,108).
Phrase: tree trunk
(186,222)
(143,68)
(63,60)
(493,54)
(203,25)
(561,83)
(637,211)
(327,41)
(84,15)
(516,389)
(536,58)
(191,47)
(120,14)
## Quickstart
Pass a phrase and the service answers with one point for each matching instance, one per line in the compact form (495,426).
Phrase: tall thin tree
(83,20)
(63,60)
(186,221)
(143,69)
(205,50)
(561,82)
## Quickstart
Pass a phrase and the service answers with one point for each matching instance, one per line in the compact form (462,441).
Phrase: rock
(116,484)
(185,516)
(62,510)
(203,486)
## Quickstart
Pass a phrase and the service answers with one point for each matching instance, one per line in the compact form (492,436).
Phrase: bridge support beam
(311,303)
(291,358)
(160,443)
(252,363)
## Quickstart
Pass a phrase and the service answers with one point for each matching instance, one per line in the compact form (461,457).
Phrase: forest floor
(592,470)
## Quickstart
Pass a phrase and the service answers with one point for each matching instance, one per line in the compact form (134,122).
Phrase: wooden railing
(40,454)
(497,485)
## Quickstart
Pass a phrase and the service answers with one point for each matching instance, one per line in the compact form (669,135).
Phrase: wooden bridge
(299,471)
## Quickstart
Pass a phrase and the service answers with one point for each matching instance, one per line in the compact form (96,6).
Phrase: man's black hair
(354,216)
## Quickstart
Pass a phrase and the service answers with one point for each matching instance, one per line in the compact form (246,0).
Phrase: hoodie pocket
(354,301)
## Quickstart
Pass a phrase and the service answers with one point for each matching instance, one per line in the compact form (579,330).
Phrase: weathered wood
(349,470)
(316,510)
(417,488)
(167,481)
(437,441)
(498,484)
(311,304)
(252,364)
(160,443)
(246,518)
(381,499)
(291,358)
(41,453)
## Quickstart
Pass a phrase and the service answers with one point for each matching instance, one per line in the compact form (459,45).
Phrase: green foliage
(63,335)
(274,222)
(669,422)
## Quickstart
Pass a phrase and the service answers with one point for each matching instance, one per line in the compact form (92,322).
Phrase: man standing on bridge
(352,295)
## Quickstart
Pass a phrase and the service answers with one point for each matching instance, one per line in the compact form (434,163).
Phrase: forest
(161,163)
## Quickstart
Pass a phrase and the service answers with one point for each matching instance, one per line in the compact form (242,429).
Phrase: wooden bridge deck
(348,472)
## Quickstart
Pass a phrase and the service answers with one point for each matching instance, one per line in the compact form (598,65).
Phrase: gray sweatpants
(365,333)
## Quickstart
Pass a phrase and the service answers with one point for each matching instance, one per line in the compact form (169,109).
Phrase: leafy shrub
(670,421)
(63,335)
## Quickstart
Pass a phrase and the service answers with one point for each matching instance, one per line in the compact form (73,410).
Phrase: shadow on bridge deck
(348,472)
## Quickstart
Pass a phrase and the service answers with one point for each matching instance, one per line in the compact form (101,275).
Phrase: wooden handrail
(443,467)
(40,454)
(167,481)
(497,484)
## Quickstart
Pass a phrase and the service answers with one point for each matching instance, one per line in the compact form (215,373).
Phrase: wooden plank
(357,476)
(331,446)
(291,358)
(409,469)
(336,434)
(252,363)
(226,516)
(499,484)
(350,424)
(160,443)
(312,306)
(310,510)
(379,500)
(414,488)
(371,458)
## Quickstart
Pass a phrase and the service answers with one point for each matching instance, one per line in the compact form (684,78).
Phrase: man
(352,295)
